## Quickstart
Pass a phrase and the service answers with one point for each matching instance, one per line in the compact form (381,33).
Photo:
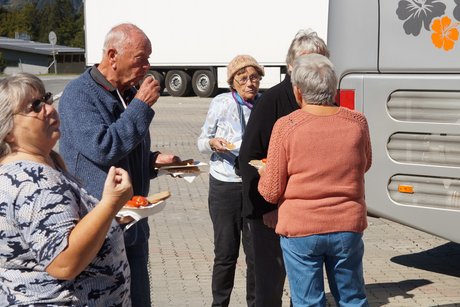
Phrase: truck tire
(178,83)
(160,78)
(204,83)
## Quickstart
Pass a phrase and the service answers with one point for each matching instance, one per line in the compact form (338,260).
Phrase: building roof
(35,47)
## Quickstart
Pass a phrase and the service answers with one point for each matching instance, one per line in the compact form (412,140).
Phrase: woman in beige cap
(221,137)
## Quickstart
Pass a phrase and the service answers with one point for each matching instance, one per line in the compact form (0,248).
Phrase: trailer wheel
(178,83)
(160,78)
(204,83)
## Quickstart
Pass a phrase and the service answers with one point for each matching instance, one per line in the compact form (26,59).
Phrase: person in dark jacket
(276,102)
(105,122)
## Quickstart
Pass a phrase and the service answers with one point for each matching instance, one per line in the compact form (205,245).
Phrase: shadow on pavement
(400,288)
(444,259)
(375,291)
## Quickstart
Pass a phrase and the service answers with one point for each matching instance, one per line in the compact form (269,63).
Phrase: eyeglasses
(254,78)
(36,106)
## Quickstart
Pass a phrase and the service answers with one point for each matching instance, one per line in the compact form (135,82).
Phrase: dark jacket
(276,102)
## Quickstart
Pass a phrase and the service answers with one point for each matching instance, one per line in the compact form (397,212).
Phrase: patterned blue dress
(39,207)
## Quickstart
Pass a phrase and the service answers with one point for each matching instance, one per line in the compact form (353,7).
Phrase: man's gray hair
(305,42)
(314,75)
(14,90)
(120,36)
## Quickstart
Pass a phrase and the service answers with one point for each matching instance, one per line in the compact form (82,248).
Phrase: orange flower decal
(444,34)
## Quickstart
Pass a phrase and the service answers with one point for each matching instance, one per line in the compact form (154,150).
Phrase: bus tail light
(346,98)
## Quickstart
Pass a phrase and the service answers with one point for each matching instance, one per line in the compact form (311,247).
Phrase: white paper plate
(141,212)
(236,146)
(258,164)
(178,167)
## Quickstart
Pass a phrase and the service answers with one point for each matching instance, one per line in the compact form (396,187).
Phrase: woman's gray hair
(305,42)
(14,90)
(120,36)
(314,75)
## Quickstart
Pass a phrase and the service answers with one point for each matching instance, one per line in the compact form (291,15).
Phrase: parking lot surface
(402,266)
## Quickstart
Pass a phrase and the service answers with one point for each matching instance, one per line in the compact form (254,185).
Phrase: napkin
(188,172)
(140,213)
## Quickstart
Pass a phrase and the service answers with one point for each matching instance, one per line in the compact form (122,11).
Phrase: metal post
(54,60)
(53,40)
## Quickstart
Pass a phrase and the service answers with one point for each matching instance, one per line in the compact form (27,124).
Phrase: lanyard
(239,102)
(122,100)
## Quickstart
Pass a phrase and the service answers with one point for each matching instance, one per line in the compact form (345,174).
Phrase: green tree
(79,36)
(26,20)
(55,15)
(29,15)
(3,25)
(8,25)
(22,20)
(2,63)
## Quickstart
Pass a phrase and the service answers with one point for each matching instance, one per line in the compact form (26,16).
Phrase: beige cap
(240,62)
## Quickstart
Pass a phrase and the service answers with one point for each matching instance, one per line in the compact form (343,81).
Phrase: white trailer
(193,42)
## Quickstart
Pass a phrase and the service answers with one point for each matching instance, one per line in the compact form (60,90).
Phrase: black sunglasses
(37,105)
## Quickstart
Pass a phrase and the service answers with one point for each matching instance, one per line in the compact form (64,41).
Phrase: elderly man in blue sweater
(105,122)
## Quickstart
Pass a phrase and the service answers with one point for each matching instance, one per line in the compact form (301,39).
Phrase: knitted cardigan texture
(315,172)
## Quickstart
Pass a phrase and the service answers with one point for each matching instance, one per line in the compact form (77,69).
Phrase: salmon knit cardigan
(315,172)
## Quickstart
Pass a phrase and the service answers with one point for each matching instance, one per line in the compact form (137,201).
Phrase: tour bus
(398,62)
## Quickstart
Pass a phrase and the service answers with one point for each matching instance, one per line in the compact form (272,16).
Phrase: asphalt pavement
(402,266)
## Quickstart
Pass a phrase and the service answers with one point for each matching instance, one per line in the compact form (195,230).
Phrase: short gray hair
(314,75)
(305,42)
(120,36)
(14,90)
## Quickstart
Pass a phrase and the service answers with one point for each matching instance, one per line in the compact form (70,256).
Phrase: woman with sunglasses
(55,239)
(221,137)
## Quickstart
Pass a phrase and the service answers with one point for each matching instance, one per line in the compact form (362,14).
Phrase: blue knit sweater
(97,132)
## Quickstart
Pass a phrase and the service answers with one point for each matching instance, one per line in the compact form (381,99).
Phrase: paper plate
(177,167)
(258,164)
(141,212)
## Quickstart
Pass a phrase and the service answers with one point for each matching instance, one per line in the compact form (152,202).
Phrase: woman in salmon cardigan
(315,169)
